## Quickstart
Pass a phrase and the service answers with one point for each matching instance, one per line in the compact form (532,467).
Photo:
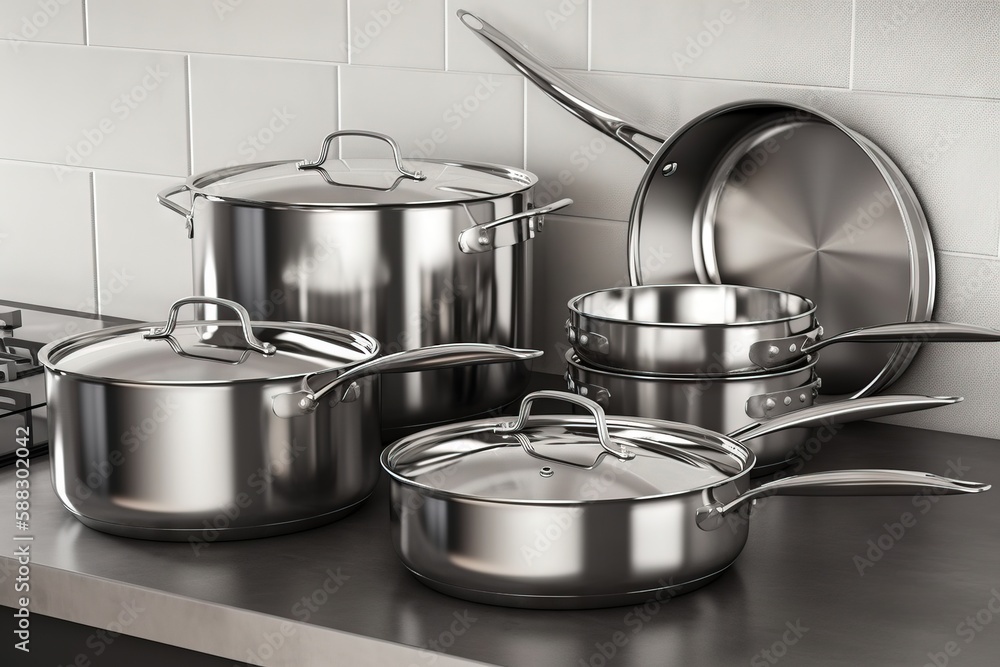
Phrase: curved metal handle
(842,412)
(164,198)
(600,422)
(325,151)
(306,400)
(841,483)
(776,352)
(252,341)
(560,89)
(484,237)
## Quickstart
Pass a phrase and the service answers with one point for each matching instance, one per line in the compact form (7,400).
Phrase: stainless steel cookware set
(345,302)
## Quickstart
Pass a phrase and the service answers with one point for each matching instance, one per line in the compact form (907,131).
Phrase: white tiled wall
(104,102)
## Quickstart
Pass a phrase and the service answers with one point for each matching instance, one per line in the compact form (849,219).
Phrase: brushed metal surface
(224,599)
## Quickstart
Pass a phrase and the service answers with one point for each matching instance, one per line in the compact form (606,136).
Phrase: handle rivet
(584,339)
(773,351)
(546,472)
(769,404)
(669,169)
(788,400)
(484,239)
(792,347)
(802,398)
(571,334)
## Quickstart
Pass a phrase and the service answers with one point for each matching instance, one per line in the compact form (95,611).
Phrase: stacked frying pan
(728,358)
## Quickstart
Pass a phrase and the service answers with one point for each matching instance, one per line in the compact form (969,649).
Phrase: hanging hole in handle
(396,156)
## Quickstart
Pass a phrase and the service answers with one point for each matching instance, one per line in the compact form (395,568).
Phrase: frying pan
(560,511)
(771,194)
(720,329)
(743,406)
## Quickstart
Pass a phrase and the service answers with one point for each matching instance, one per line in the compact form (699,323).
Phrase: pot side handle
(865,482)
(306,400)
(560,89)
(164,198)
(517,228)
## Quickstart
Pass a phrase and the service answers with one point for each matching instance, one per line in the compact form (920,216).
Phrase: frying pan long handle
(306,400)
(842,483)
(842,412)
(563,91)
(777,352)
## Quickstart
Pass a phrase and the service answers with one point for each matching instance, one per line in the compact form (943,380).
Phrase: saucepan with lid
(223,429)
(566,511)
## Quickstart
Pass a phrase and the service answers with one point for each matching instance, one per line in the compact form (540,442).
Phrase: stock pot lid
(555,459)
(361,183)
(206,352)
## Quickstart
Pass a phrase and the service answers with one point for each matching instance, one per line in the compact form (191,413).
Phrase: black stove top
(24,330)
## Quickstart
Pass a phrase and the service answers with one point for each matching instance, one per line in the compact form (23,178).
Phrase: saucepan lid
(207,352)
(565,459)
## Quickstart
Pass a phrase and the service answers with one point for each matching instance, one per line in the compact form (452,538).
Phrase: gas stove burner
(18,357)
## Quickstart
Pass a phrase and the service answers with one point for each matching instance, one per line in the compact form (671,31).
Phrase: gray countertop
(338,595)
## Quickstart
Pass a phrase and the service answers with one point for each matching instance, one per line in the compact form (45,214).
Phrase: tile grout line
(190,114)
(86,23)
(854,22)
(590,34)
(524,124)
(445,36)
(348,29)
(969,255)
(340,113)
(96,254)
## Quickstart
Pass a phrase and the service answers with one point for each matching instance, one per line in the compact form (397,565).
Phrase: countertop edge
(203,626)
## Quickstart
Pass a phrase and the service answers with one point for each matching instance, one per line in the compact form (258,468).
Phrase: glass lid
(360,182)
(565,458)
(203,352)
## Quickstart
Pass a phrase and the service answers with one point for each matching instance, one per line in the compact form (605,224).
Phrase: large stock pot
(204,431)
(422,253)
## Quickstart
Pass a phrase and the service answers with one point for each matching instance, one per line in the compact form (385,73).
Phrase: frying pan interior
(693,305)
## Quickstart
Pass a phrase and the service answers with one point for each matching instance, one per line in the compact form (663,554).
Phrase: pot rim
(62,345)
(574,307)
(724,442)
(197,182)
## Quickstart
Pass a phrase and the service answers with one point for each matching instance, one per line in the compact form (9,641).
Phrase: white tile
(969,291)
(468,117)
(554,30)
(397,33)
(305,29)
(254,109)
(931,46)
(572,256)
(144,255)
(41,21)
(94,107)
(46,237)
(805,42)
(946,147)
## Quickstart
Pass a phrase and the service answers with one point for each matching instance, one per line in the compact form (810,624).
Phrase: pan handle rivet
(669,169)
(546,472)
(773,351)
(584,339)
(802,398)
(788,400)
(792,347)
(769,404)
